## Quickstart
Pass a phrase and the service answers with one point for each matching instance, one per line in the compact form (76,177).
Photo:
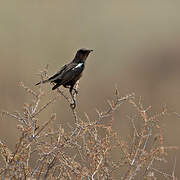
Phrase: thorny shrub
(83,152)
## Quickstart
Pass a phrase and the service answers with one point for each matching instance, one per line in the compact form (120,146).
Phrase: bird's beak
(91,50)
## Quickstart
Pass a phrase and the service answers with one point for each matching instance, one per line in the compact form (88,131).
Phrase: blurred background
(136,47)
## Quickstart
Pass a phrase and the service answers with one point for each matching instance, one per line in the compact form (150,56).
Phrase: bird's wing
(58,74)
(72,71)
(65,72)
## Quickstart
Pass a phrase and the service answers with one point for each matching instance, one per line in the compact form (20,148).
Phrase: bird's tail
(56,86)
(42,82)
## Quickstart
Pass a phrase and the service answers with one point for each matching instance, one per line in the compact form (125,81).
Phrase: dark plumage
(70,73)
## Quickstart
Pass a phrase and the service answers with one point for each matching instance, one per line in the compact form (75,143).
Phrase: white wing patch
(78,66)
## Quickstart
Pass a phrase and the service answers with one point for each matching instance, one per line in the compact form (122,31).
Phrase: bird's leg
(73,104)
(72,88)
(75,90)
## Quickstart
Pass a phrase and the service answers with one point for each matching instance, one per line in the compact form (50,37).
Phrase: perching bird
(70,73)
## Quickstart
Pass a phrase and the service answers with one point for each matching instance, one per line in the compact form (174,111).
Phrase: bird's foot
(73,95)
(73,105)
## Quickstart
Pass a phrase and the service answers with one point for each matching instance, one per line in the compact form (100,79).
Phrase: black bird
(70,73)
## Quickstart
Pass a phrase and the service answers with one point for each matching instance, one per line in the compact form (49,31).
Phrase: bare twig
(174,167)
(44,107)
(97,168)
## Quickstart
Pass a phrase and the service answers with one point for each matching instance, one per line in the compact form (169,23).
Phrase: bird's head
(82,55)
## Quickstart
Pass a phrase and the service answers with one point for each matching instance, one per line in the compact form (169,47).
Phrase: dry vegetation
(85,151)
